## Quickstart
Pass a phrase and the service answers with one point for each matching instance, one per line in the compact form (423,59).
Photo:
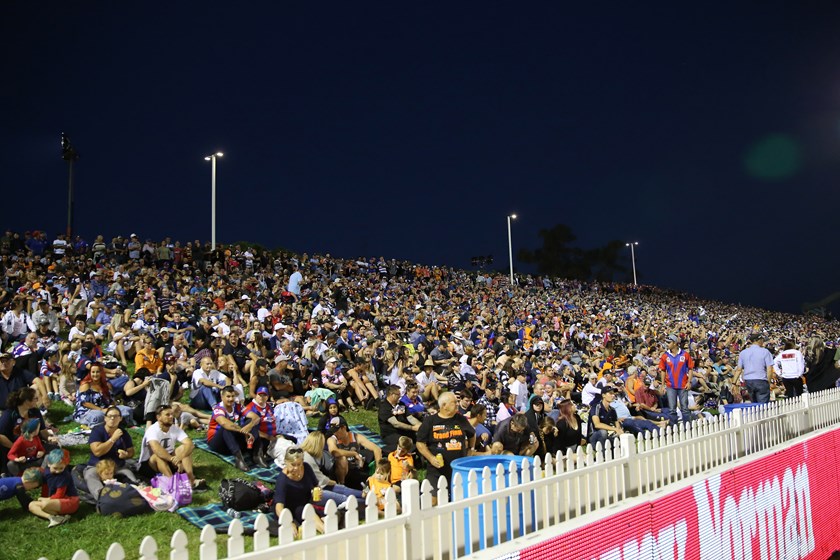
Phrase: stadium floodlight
(212,158)
(632,246)
(70,155)
(510,246)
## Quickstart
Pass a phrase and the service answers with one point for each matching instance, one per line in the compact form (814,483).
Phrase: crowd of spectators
(454,362)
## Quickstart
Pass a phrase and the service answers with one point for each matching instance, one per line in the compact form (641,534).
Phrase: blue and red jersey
(268,424)
(234,416)
(676,368)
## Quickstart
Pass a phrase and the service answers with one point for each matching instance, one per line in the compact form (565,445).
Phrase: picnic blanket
(217,516)
(266,474)
(271,473)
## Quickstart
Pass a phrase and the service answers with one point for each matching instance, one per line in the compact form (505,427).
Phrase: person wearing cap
(755,365)
(44,312)
(675,367)
(280,384)
(603,419)
(332,379)
(261,424)
(351,452)
(428,382)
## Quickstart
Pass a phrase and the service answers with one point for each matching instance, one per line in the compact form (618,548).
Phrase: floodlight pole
(632,246)
(510,247)
(212,159)
(69,154)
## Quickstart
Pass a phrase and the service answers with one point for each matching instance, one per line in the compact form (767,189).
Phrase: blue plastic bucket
(477,463)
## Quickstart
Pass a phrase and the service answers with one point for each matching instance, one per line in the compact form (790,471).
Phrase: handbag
(178,486)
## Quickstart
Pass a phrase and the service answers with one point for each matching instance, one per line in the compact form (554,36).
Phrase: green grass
(26,537)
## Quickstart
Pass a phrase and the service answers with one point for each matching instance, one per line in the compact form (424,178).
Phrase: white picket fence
(539,495)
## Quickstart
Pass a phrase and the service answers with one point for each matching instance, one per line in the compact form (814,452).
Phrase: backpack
(121,500)
(240,494)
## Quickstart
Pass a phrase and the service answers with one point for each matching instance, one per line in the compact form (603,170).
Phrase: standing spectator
(444,437)
(790,365)
(675,367)
(755,364)
(822,365)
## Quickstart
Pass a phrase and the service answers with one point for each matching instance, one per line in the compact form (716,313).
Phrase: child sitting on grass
(27,449)
(58,498)
(380,482)
(19,486)
(401,459)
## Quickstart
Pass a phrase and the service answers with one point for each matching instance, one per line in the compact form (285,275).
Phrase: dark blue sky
(709,133)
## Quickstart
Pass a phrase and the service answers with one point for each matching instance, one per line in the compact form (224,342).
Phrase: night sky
(709,133)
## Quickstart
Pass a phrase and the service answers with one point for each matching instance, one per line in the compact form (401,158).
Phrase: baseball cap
(262,391)
(674,338)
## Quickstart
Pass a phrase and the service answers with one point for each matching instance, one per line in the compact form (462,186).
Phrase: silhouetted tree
(559,257)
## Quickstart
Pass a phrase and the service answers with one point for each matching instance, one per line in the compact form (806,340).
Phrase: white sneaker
(56,520)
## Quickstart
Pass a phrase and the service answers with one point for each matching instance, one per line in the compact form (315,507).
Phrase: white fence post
(631,472)
(411,509)
(737,423)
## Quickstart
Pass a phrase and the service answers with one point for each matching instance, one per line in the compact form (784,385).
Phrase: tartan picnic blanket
(271,473)
(217,516)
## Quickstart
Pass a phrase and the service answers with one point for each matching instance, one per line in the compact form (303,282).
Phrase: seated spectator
(59,498)
(603,419)
(206,385)
(27,450)
(21,406)
(20,486)
(401,459)
(260,421)
(516,436)
(483,436)
(569,427)
(167,449)
(324,423)
(109,441)
(394,421)
(226,434)
(293,488)
(323,466)
(12,379)
(94,397)
(352,453)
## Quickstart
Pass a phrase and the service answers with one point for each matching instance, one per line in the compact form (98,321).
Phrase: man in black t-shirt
(603,419)
(516,436)
(446,434)
(393,420)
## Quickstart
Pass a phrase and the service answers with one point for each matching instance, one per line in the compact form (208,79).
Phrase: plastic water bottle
(233,513)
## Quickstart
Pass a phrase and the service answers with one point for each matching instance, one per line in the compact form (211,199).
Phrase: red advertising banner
(783,506)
